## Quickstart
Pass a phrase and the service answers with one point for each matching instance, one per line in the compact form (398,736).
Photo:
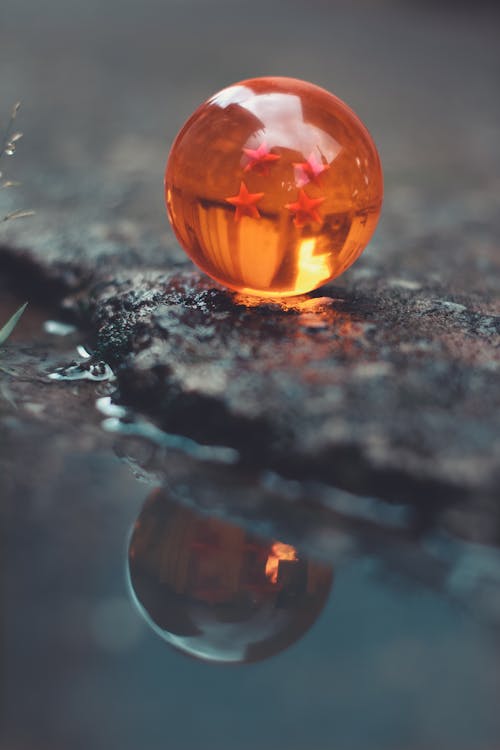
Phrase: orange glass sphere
(273,187)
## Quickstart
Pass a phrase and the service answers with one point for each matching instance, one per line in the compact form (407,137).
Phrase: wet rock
(383,383)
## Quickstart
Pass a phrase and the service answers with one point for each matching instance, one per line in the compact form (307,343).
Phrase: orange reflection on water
(279,551)
(216,592)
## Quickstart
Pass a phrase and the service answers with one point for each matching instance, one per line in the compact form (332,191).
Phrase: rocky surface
(384,383)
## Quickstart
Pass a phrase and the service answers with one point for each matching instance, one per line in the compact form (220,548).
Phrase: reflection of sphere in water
(217,593)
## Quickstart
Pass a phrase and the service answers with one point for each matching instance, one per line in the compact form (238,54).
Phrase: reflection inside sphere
(214,591)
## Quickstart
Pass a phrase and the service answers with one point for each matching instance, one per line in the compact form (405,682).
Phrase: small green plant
(11,324)
(8,146)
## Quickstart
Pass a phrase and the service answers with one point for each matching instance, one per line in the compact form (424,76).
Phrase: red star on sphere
(245,203)
(305,209)
(259,158)
(308,171)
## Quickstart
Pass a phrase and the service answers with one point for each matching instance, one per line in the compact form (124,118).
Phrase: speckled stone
(384,383)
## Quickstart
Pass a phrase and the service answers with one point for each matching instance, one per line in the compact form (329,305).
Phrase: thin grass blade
(11,324)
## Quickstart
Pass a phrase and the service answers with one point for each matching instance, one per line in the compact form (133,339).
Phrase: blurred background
(105,86)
